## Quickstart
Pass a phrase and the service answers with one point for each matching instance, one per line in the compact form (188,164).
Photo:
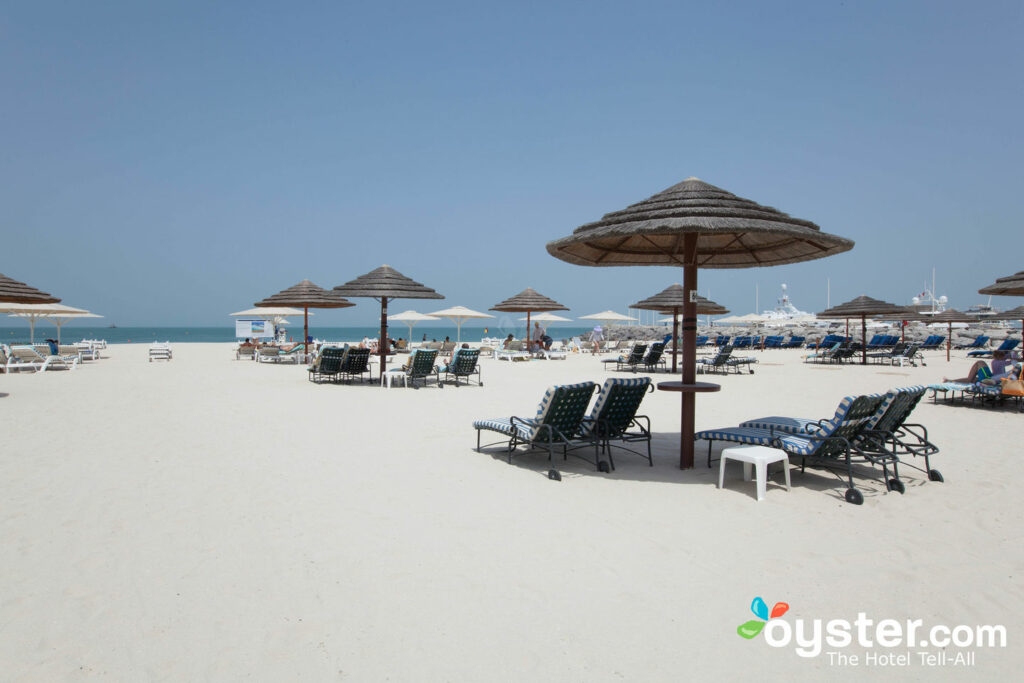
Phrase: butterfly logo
(760,610)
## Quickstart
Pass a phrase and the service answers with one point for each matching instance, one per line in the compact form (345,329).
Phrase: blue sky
(171,163)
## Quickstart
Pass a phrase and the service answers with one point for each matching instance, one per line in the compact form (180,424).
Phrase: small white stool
(392,375)
(757,456)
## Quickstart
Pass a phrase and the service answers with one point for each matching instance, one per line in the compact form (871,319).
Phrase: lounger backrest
(636,354)
(723,355)
(616,405)
(422,362)
(331,359)
(1008,345)
(654,355)
(26,353)
(895,409)
(357,361)
(464,362)
(562,407)
(848,422)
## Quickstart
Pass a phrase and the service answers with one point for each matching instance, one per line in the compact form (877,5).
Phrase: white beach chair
(28,356)
(160,351)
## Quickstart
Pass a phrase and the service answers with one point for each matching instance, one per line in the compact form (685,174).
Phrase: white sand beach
(214,519)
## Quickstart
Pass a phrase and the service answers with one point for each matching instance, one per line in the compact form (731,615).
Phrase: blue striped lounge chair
(630,361)
(886,432)
(614,418)
(1007,345)
(653,359)
(327,363)
(829,444)
(420,367)
(557,423)
(464,365)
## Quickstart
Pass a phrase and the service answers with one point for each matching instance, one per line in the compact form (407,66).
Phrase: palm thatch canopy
(675,297)
(866,306)
(528,301)
(951,315)
(307,295)
(1011,285)
(13,291)
(732,233)
(386,282)
(1012,314)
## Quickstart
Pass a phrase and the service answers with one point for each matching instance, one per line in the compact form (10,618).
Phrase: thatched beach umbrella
(864,307)
(528,301)
(382,284)
(1012,314)
(1011,285)
(12,291)
(695,225)
(950,316)
(305,295)
(671,300)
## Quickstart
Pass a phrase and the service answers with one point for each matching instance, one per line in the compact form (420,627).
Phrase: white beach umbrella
(459,314)
(410,318)
(35,312)
(608,317)
(550,318)
(275,314)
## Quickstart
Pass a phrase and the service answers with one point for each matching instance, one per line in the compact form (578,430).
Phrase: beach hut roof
(305,295)
(865,306)
(1011,285)
(386,282)
(732,233)
(674,296)
(13,291)
(528,301)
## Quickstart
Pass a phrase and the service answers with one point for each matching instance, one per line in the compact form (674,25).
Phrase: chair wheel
(896,485)
(603,467)
(935,475)
(554,475)
(854,496)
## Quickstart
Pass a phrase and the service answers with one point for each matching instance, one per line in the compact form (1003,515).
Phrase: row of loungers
(38,357)
(872,429)
(347,364)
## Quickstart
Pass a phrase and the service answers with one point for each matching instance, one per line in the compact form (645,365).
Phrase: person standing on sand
(597,336)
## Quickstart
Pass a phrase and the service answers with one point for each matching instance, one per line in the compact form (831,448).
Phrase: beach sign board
(254,328)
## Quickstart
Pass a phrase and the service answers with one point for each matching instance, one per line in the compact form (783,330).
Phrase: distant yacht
(983,310)
(111,326)
(784,310)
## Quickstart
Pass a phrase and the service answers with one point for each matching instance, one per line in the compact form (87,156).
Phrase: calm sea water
(145,335)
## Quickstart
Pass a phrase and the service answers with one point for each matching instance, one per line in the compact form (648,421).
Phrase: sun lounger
(465,364)
(25,354)
(614,418)
(354,365)
(979,343)
(513,352)
(420,368)
(629,361)
(20,361)
(1007,345)
(829,445)
(327,363)
(557,423)
(160,351)
(724,361)
(654,358)
(933,342)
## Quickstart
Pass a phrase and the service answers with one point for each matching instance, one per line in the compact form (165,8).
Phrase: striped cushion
(505,426)
(793,444)
(985,389)
(949,386)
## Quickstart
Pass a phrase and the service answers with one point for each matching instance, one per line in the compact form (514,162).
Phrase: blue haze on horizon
(168,164)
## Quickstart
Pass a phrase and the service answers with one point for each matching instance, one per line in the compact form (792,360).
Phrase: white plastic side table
(392,375)
(758,457)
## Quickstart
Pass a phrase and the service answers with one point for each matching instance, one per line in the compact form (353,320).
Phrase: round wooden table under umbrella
(528,301)
(305,295)
(14,292)
(864,307)
(950,316)
(695,225)
(670,302)
(382,284)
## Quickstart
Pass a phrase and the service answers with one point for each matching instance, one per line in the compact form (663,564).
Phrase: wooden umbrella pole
(305,328)
(383,335)
(949,338)
(863,340)
(528,333)
(689,408)
(675,337)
